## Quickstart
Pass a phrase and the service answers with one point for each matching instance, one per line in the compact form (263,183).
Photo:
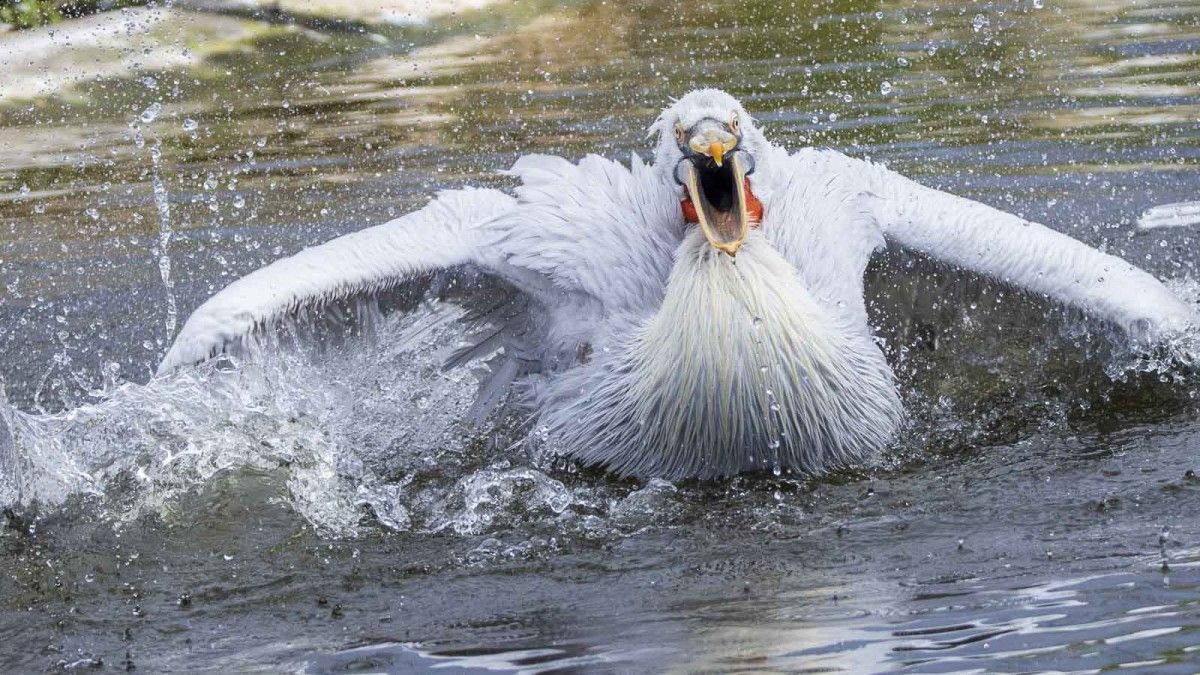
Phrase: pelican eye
(680,132)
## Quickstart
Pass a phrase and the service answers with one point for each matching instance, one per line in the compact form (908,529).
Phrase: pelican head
(707,140)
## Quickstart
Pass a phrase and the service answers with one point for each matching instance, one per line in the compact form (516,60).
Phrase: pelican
(703,315)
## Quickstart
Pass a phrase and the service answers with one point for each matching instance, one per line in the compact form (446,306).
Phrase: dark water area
(319,509)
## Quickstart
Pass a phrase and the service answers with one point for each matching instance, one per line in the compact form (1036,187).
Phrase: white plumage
(739,369)
(654,353)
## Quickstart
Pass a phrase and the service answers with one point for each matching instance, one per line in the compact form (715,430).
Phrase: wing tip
(182,353)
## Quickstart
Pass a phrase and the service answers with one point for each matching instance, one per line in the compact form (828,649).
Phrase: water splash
(163,204)
(286,414)
(352,432)
(368,433)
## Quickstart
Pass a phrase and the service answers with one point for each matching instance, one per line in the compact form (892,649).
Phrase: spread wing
(1010,249)
(447,232)
(577,237)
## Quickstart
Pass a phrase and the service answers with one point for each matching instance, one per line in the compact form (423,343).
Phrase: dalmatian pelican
(702,315)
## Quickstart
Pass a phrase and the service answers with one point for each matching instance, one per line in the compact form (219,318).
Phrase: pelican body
(702,315)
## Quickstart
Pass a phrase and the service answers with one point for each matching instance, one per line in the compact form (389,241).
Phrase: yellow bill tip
(716,150)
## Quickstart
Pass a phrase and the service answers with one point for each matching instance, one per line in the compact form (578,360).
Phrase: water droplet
(150,113)
(885,87)
(162,203)
(92,213)
(24,191)
(902,62)
(239,201)
(1038,4)
(89,578)
(979,22)
(777,470)
(190,124)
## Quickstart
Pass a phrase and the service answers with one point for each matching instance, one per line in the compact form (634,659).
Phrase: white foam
(1178,214)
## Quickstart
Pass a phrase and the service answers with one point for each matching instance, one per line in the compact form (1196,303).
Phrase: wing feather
(595,227)
(1007,248)
(444,233)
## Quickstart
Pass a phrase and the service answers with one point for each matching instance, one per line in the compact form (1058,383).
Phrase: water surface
(319,509)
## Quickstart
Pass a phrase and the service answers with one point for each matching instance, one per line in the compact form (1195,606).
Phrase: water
(318,509)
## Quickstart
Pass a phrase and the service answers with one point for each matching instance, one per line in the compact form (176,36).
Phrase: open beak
(717,190)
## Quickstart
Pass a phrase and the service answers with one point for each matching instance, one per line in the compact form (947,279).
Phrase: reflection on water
(319,509)
(951,624)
